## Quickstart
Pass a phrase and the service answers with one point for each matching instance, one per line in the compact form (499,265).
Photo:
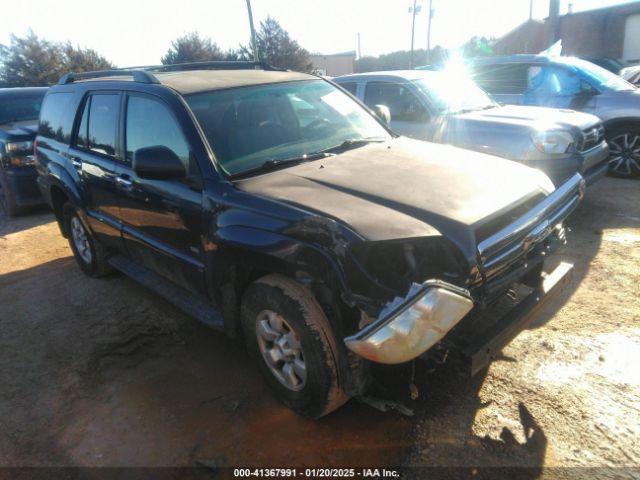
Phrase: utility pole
(429,32)
(413,11)
(254,42)
(530,9)
(359,51)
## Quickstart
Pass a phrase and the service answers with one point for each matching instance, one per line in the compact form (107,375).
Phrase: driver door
(161,219)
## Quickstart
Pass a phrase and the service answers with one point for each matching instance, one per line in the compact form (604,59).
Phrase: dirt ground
(104,373)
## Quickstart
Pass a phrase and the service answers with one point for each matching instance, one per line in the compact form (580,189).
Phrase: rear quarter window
(56,116)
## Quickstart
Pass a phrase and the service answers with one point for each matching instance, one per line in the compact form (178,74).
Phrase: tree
(277,48)
(194,48)
(33,61)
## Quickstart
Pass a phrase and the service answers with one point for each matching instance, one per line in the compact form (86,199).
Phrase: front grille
(591,137)
(511,243)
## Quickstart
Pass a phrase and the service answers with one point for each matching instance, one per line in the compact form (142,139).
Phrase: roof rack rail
(138,75)
(211,65)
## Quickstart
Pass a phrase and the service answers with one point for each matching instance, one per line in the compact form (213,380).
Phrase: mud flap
(489,343)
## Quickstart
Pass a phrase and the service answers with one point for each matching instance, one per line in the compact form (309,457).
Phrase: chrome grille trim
(536,225)
(591,137)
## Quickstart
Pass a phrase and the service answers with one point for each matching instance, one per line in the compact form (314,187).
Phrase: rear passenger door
(162,219)
(409,116)
(94,154)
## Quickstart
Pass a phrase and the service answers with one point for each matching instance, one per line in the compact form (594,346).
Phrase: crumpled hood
(404,188)
(19,130)
(539,118)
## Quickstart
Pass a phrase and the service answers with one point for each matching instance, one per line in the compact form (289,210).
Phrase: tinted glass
(82,139)
(402,102)
(103,123)
(251,125)
(502,79)
(56,119)
(19,109)
(149,123)
(352,88)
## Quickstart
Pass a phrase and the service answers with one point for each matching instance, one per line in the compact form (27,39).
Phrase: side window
(103,123)
(56,119)
(402,102)
(150,123)
(553,80)
(350,87)
(502,79)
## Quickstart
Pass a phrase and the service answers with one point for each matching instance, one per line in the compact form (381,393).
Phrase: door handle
(76,162)
(124,181)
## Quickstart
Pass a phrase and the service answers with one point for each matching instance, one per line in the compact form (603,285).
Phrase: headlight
(413,327)
(19,154)
(14,147)
(553,141)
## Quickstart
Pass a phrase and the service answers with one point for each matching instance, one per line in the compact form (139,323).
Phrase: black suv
(19,111)
(271,204)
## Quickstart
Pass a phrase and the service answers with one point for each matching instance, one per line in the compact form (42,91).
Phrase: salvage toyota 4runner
(272,205)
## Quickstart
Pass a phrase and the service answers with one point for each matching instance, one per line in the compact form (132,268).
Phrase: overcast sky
(135,32)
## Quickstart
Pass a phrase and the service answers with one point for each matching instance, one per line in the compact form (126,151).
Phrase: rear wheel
(624,146)
(8,205)
(88,253)
(288,334)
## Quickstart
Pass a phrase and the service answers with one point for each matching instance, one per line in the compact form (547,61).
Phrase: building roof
(193,81)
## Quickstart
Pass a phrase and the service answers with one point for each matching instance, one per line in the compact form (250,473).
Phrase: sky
(139,32)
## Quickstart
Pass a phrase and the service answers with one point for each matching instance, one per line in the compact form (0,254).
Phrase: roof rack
(140,76)
(212,65)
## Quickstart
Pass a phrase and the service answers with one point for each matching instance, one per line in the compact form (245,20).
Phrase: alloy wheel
(281,350)
(81,240)
(625,154)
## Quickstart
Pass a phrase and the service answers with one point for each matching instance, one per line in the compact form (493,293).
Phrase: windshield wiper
(352,143)
(275,163)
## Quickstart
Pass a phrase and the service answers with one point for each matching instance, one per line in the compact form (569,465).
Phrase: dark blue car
(19,112)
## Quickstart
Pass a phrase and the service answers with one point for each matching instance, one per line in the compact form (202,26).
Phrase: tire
(8,204)
(87,251)
(624,145)
(287,306)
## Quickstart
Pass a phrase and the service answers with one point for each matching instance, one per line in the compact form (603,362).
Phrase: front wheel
(288,334)
(8,204)
(624,146)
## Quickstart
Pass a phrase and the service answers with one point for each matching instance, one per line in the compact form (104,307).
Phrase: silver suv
(568,82)
(451,109)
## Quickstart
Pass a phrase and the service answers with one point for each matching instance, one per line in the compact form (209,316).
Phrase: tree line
(33,61)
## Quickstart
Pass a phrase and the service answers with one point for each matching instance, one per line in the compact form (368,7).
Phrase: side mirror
(158,163)
(383,113)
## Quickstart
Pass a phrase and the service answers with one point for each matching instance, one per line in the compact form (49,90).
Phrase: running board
(190,303)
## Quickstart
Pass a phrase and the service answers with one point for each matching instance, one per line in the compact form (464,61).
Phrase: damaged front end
(449,308)
(410,326)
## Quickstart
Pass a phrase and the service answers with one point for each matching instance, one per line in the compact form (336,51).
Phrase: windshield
(599,77)
(249,126)
(19,109)
(452,94)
